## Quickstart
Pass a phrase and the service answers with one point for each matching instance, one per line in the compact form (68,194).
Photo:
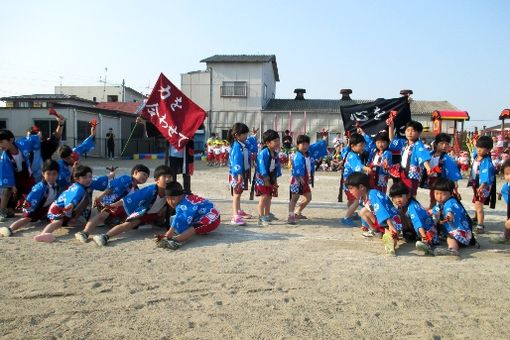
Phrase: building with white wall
(116,93)
(233,88)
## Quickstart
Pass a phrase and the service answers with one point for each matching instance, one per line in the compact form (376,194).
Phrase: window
(3,124)
(94,99)
(83,128)
(48,126)
(265,91)
(234,89)
(112,98)
(23,104)
(39,104)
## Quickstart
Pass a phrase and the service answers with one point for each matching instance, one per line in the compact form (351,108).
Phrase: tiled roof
(127,107)
(239,58)
(331,105)
(244,58)
(45,97)
(428,106)
(418,107)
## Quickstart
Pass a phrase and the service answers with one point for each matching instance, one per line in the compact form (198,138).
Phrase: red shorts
(411,184)
(201,229)
(210,156)
(483,199)
(56,213)
(39,214)
(236,186)
(261,190)
(206,225)
(116,212)
(149,218)
(297,188)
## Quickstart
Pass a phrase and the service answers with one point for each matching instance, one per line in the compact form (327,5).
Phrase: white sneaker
(82,236)
(5,232)
(101,240)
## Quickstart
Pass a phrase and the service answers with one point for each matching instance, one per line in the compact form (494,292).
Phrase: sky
(457,51)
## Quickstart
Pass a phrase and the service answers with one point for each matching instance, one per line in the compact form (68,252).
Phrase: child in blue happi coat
(505,193)
(117,189)
(483,180)
(303,170)
(144,206)
(423,226)
(239,163)
(442,165)
(352,164)
(16,178)
(267,172)
(38,201)
(69,204)
(378,212)
(70,156)
(415,157)
(379,159)
(451,214)
(194,215)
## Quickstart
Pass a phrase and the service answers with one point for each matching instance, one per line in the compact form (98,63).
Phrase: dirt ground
(317,280)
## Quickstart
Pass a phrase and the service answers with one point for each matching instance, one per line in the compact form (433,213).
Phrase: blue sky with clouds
(444,50)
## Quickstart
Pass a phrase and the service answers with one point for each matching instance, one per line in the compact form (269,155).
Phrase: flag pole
(129,138)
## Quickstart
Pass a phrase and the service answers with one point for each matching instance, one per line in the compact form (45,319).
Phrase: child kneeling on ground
(422,223)
(145,206)
(38,201)
(378,212)
(65,207)
(453,216)
(194,215)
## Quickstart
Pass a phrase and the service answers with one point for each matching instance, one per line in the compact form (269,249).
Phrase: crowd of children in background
(380,177)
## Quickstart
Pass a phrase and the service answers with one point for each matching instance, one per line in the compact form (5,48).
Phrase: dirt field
(317,280)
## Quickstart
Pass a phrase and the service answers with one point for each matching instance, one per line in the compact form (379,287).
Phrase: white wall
(99,92)
(196,85)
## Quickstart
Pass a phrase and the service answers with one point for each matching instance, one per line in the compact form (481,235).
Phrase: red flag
(174,114)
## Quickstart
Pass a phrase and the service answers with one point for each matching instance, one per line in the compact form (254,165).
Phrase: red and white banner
(176,116)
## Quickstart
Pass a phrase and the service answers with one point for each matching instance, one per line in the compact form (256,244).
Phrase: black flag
(372,116)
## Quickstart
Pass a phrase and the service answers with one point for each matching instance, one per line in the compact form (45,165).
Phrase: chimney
(406,93)
(345,94)
(299,94)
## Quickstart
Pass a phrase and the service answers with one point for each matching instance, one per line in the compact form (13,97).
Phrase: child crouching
(64,208)
(38,201)
(194,215)
(422,224)
(378,212)
(453,216)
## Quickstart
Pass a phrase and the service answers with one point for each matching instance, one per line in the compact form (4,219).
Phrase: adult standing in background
(110,144)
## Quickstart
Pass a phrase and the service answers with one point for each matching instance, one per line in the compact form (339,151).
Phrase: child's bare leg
(236,204)
(95,221)
(267,204)
(51,227)
(367,216)
(20,223)
(506,233)
(119,229)
(479,212)
(293,201)
(6,195)
(452,244)
(186,235)
(307,197)
(261,205)
(351,208)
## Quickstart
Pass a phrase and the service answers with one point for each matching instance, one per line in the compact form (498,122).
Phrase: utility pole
(123,90)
